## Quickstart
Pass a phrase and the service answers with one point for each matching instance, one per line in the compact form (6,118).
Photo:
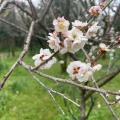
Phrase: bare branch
(49,91)
(113,103)
(65,102)
(91,107)
(4,5)
(110,77)
(68,81)
(58,93)
(21,29)
(105,100)
(25,49)
(34,15)
(46,10)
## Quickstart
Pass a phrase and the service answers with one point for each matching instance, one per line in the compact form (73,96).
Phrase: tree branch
(21,29)
(110,77)
(25,49)
(105,100)
(68,81)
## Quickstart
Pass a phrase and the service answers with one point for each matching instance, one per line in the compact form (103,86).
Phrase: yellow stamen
(61,24)
(74,36)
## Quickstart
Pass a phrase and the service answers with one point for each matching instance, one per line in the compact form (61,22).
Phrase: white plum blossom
(43,56)
(92,30)
(74,34)
(118,97)
(56,44)
(95,10)
(88,75)
(78,24)
(75,40)
(80,71)
(61,25)
(104,47)
(97,67)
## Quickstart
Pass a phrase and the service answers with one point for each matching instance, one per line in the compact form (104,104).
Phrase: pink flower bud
(102,4)
(95,10)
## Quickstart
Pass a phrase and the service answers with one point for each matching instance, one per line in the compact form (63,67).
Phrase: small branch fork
(49,91)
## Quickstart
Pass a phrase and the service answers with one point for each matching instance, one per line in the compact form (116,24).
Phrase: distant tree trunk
(82,107)
(64,65)
(1,45)
(12,47)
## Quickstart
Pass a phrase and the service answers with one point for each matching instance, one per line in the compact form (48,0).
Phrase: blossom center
(61,44)
(61,24)
(95,12)
(75,70)
(74,36)
(103,49)
(41,57)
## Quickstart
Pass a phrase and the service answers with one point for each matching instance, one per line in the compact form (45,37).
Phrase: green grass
(22,98)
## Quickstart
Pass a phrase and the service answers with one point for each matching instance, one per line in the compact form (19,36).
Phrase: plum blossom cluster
(82,71)
(65,40)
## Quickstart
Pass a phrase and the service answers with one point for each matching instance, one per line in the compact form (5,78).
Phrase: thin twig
(46,10)
(115,102)
(21,29)
(65,102)
(91,107)
(58,93)
(109,78)
(105,100)
(86,54)
(93,18)
(49,91)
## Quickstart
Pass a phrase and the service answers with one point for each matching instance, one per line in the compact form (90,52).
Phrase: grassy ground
(22,98)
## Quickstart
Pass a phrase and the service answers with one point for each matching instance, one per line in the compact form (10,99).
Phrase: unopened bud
(102,4)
